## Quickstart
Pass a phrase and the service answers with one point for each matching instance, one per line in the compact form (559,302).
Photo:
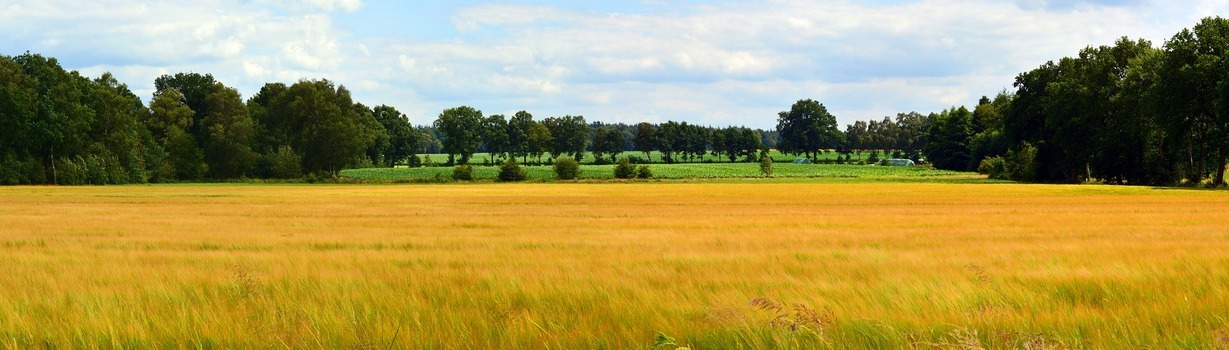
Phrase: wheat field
(747,264)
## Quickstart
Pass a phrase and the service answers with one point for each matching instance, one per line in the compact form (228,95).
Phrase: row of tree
(464,131)
(59,127)
(1129,113)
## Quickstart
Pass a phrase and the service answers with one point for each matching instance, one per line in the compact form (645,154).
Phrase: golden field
(741,264)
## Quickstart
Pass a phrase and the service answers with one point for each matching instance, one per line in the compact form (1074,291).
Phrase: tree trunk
(1220,168)
(55,180)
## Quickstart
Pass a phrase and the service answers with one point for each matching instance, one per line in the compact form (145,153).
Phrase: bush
(567,168)
(765,164)
(643,172)
(1021,163)
(624,170)
(414,161)
(25,171)
(285,164)
(71,171)
(996,167)
(463,172)
(511,171)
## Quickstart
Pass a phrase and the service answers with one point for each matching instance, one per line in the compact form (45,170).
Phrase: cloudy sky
(708,62)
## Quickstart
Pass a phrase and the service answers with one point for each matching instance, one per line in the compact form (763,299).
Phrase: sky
(714,63)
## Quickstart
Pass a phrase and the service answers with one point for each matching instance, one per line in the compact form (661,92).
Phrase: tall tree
(169,120)
(460,127)
(670,139)
(807,128)
(518,135)
(608,141)
(646,139)
(570,134)
(228,150)
(495,136)
(540,140)
(403,140)
(194,89)
(322,124)
(949,138)
(1195,81)
(856,137)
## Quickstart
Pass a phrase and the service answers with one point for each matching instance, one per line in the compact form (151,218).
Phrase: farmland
(786,263)
(675,171)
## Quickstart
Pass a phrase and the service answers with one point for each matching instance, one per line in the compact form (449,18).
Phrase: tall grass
(709,265)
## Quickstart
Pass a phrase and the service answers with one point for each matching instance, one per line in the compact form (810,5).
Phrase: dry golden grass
(713,265)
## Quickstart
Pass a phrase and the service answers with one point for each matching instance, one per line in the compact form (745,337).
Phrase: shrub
(414,161)
(873,159)
(71,171)
(285,164)
(624,170)
(566,168)
(765,164)
(1021,163)
(511,171)
(996,167)
(644,172)
(463,172)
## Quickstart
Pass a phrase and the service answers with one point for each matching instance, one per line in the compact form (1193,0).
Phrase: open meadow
(754,264)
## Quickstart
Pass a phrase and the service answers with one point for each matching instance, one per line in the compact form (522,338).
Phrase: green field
(655,157)
(670,171)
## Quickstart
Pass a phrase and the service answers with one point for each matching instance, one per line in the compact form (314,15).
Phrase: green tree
(169,120)
(646,139)
(949,134)
(495,136)
(228,150)
(323,125)
(670,139)
(570,135)
(540,140)
(807,128)
(608,141)
(373,136)
(194,90)
(461,128)
(403,140)
(856,137)
(518,135)
(1194,89)
(61,122)
(117,133)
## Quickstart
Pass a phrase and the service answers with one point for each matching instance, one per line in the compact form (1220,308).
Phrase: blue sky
(707,62)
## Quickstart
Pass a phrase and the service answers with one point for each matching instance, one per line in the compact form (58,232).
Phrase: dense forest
(1129,113)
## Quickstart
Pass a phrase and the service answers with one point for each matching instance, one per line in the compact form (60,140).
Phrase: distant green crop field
(666,171)
(655,156)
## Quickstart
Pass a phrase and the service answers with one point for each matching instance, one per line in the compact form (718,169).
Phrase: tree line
(58,127)
(1127,113)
